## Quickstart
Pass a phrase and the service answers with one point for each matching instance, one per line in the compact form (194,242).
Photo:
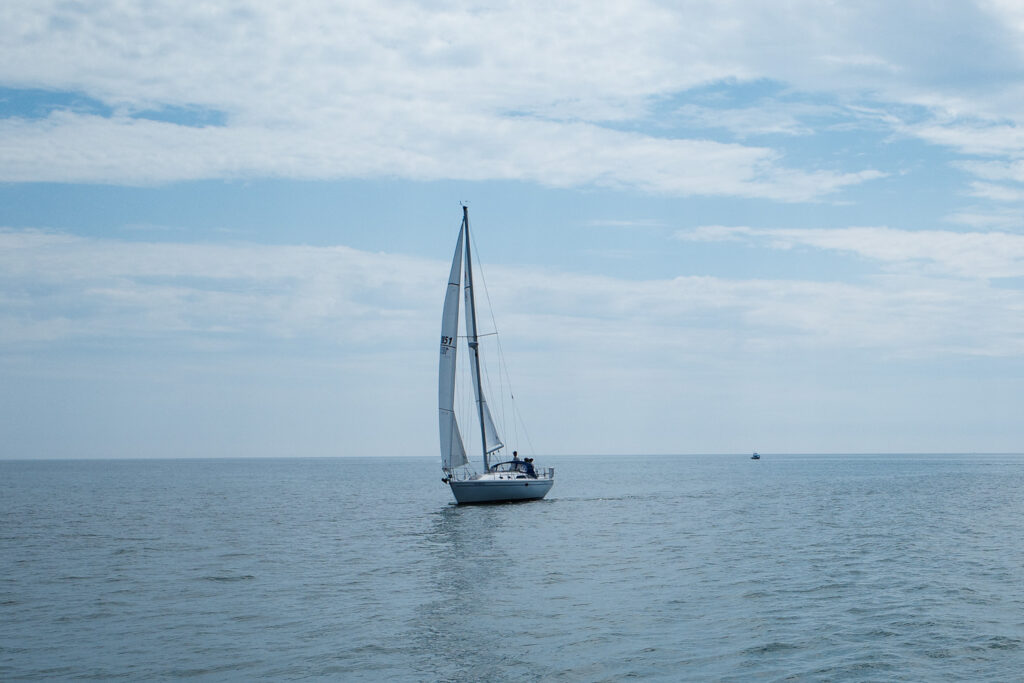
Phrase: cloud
(996,170)
(996,192)
(978,138)
(524,91)
(989,219)
(768,118)
(943,253)
(60,289)
(69,147)
(315,90)
(294,350)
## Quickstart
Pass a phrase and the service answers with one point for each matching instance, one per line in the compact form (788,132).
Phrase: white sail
(453,453)
(491,440)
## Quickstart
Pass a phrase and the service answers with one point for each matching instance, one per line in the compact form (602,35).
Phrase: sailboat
(500,480)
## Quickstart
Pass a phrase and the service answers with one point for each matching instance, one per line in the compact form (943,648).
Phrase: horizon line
(547,455)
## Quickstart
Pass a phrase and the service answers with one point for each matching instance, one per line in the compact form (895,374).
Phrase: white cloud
(522,91)
(62,288)
(768,118)
(562,95)
(996,170)
(996,192)
(280,350)
(976,138)
(944,253)
(989,219)
(59,286)
(87,148)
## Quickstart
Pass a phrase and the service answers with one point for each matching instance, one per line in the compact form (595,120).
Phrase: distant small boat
(755,456)
(500,481)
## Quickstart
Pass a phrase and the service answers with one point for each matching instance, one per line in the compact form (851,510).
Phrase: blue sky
(706,227)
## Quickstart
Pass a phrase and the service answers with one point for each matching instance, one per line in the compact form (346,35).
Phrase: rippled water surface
(692,568)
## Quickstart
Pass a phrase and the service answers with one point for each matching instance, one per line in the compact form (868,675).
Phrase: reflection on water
(469,556)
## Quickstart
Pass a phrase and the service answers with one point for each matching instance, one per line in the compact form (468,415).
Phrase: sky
(704,227)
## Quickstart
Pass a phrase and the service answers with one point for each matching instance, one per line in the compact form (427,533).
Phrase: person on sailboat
(530,472)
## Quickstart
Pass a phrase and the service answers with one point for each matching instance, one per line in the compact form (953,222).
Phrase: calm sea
(830,568)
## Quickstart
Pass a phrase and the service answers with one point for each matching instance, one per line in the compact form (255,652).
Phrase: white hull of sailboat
(487,490)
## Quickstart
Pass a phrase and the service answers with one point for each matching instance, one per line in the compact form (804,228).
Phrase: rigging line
(485,371)
(494,325)
(517,417)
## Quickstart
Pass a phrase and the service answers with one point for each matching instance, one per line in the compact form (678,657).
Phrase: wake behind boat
(500,480)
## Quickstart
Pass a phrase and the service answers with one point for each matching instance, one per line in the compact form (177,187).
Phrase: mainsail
(491,440)
(453,453)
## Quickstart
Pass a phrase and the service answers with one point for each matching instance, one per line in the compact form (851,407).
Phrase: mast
(473,339)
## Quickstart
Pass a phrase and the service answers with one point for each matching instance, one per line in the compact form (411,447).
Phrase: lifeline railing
(463,474)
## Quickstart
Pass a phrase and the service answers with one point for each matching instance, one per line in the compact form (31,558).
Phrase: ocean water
(704,568)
